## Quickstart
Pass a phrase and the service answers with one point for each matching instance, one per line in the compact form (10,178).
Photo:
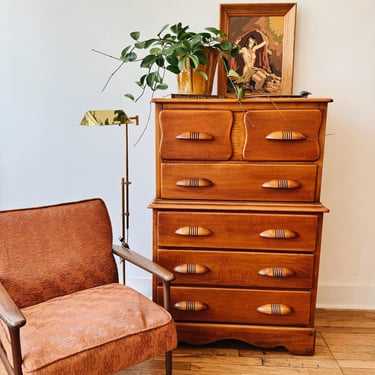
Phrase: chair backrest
(50,251)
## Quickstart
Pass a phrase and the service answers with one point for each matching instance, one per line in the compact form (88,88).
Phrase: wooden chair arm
(9,312)
(143,262)
(148,265)
(11,315)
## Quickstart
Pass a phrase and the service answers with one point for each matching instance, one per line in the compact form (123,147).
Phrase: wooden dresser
(237,217)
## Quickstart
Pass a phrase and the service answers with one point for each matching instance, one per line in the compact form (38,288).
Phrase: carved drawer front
(230,181)
(195,135)
(231,268)
(228,305)
(237,230)
(282,135)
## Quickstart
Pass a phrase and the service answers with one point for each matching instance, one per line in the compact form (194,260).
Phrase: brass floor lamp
(117,117)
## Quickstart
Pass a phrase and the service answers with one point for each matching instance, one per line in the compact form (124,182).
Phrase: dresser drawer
(292,135)
(195,135)
(218,230)
(230,305)
(233,268)
(238,181)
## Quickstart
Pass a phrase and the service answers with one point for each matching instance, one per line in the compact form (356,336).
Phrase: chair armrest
(11,315)
(143,262)
(9,312)
(148,265)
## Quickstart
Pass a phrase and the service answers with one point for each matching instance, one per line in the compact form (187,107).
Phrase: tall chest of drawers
(237,217)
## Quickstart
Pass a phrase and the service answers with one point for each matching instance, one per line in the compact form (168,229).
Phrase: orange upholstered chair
(62,309)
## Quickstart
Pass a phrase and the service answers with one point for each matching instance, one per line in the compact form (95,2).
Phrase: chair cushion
(96,331)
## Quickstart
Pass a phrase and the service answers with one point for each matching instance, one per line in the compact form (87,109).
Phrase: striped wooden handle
(276,272)
(286,135)
(194,231)
(275,309)
(279,233)
(190,306)
(194,182)
(281,183)
(195,136)
(191,269)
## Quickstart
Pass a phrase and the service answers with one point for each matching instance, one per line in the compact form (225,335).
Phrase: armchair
(62,310)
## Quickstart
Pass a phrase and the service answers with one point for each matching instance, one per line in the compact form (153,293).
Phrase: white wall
(49,77)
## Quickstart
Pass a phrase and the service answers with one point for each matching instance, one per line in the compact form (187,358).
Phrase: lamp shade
(107,117)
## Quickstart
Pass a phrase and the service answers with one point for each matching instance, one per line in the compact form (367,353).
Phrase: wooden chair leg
(168,363)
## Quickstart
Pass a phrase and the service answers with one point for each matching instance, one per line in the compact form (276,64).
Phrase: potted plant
(183,52)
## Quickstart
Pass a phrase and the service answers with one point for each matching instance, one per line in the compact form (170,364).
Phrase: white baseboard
(333,296)
(330,296)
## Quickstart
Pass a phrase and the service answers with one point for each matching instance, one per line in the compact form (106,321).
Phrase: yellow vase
(192,82)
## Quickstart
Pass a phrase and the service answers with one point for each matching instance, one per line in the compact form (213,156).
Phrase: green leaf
(135,35)
(194,61)
(173,68)
(141,82)
(233,73)
(160,61)
(150,42)
(148,61)
(128,57)
(124,52)
(226,46)
(203,74)
(161,86)
(186,44)
(174,28)
(139,45)
(205,36)
(180,51)
(240,93)
(213,30)
(155,50)
(202,58)
(172,60)
(130,96)
(132,56)
(152,79)
(235,51)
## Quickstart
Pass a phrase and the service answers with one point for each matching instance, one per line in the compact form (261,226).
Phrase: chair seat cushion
(86,331)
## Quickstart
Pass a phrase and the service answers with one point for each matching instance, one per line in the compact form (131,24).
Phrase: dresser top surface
(233,100)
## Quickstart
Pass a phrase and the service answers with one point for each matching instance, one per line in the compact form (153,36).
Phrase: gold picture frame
(265,34)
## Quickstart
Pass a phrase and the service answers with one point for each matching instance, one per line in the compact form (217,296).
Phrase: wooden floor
(345,345)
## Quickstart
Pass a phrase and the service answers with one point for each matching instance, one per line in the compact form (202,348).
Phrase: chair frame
(11,315)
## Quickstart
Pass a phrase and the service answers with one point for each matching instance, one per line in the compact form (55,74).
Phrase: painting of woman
(259,62)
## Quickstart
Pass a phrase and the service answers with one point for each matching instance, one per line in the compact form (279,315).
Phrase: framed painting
(265,35)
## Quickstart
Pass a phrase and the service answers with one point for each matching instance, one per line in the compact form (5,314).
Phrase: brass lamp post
(117,117)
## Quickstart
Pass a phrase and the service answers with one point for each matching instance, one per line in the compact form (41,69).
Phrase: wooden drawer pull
(193,231)
(281,183)
(286,135)
(278,234)
(275,309)
(276,272)
(190,306)
(195,136)
(194,182)
(191,269)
